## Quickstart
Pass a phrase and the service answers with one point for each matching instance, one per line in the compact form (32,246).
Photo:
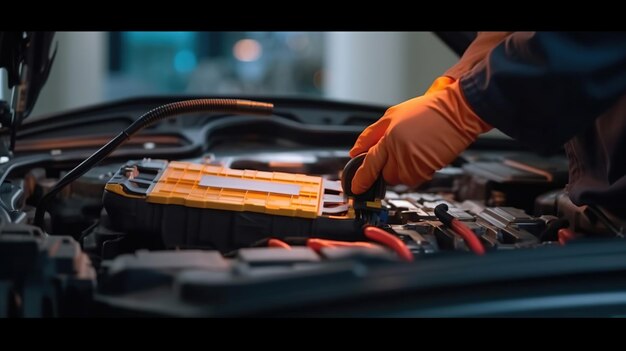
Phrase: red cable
(278,243)
(565,235)
(318,244)
(468,235)
(389,240)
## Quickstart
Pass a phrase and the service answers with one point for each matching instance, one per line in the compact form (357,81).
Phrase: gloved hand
(416,138)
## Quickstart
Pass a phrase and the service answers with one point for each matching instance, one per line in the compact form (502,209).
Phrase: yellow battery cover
(217,187)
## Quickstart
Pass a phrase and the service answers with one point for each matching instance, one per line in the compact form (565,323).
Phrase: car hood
(27,57)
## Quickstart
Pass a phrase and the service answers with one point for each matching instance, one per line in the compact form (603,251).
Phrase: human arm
(540,88)
(543,88)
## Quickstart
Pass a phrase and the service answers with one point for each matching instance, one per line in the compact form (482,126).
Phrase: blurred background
(372,67)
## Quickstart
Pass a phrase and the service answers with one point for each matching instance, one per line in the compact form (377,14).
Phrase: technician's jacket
(550,89)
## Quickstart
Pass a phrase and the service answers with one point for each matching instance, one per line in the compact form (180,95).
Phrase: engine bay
(104,253)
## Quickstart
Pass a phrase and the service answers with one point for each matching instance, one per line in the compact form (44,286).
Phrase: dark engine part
(43,276)
(184,227)
(514,180)
(75,208)
(501,228)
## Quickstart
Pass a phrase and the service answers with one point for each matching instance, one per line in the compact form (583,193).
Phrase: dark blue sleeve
(544,88)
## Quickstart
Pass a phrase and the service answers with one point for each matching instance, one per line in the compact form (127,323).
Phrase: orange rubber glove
(416,138)
(439,84)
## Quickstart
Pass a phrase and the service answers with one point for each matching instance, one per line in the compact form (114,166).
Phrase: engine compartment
(512,201)
(501,218)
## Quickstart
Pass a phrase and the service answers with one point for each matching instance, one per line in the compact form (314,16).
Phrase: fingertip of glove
(357,189)
(355,151)
(357,186)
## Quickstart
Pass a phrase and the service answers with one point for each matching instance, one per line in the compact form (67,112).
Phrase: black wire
(441,211)
(152,116)
(86,232)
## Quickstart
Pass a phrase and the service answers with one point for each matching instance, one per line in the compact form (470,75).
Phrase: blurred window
(214,63)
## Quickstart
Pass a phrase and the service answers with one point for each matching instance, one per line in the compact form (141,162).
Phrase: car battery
(191,205)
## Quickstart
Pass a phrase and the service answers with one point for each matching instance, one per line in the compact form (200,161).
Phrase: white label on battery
(335,209)
(334,198)
(333,185)
(252,185)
